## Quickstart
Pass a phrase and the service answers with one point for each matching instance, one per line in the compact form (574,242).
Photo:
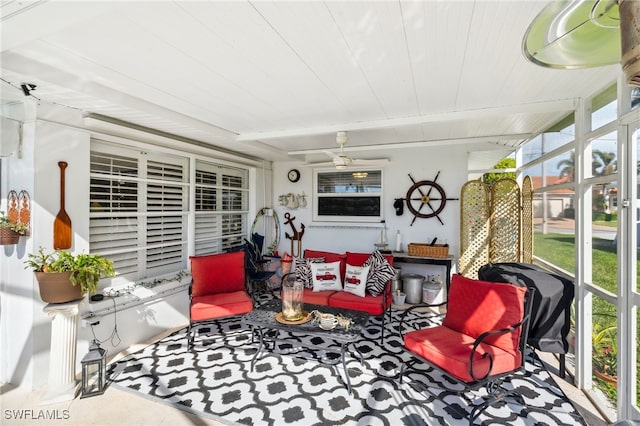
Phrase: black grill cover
(551,310)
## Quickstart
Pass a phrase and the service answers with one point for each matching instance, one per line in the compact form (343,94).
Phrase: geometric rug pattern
(292,385)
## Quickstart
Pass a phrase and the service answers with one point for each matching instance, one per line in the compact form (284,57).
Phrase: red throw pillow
(217,273)
(477,306)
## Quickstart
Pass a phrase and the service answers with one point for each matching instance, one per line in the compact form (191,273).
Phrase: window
(139,209)
(221,204)
(353,195)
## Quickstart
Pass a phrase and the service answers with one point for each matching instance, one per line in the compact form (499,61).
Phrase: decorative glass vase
(292,292)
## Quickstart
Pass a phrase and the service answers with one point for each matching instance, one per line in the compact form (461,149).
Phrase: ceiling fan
(341,160)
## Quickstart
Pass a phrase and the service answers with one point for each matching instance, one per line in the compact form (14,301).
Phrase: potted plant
(10,232)
(64,277)
(605,353)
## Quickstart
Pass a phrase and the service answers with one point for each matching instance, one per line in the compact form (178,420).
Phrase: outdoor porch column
(62,361)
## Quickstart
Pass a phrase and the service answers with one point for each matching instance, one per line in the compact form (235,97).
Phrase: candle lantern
(292,291)
(94,371)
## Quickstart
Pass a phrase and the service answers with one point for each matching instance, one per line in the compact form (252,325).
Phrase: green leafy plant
(605,350)
(85,269)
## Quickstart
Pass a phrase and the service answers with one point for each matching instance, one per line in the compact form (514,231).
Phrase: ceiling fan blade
(331,154)
(377,161)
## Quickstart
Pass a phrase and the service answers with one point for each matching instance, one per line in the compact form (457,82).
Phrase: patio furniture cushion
(326,276)
(374,305)
(355,280)
(380,273)
(220,305)
(477,306)
(217,273)
(316,297)
(328,257)
(303,270)
(450,350)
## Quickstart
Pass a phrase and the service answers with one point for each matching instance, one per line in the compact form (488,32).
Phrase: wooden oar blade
(62,231)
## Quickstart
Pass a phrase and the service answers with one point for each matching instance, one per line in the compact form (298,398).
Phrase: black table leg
(260,346)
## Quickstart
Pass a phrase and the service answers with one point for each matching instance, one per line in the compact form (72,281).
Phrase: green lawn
(559,249)
(610,223)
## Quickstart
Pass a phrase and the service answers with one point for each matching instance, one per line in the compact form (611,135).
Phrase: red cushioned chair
(481,340)
(218,288)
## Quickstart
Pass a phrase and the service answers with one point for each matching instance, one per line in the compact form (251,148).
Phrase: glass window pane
(554,228)
(560,169)
(547,142)
(350,182)
(604,222)
(604,152)
(605,108)
(604,352)
(555,171)
(635,97)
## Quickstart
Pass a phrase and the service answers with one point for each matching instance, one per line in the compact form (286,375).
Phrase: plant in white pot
(64,277)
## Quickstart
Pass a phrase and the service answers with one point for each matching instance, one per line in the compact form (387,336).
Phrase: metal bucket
(412,284)
(431,292)
(396,281)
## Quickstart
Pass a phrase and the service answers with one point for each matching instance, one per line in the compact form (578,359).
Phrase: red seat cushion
(450,351)
(217,273)
(477,306)
(316,297)
(220,305)
(371,304)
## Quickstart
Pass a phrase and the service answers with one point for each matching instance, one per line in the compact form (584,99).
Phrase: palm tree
(606,161)
(568,166)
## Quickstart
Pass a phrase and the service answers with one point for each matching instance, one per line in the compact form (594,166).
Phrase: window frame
(180,213)
(319,217)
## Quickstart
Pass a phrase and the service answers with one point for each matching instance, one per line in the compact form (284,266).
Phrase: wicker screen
(505,221)
(496,224)
(527,220)
(474,227)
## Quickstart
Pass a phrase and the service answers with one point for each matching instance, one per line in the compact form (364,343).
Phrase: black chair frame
(492,383)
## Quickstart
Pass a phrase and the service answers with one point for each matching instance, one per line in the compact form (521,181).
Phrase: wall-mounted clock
(293,175)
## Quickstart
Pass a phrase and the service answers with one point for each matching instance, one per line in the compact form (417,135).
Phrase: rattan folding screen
(496,224)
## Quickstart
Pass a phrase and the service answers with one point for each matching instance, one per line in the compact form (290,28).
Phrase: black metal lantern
(94,371)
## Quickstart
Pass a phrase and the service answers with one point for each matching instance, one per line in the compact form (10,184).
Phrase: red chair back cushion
(478,306)
(329,257)
(358,259)
(217,273)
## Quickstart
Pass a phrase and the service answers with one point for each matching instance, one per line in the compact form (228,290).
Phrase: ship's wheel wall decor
(422,194)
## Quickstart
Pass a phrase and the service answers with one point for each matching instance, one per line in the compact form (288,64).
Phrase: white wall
(421,163)
(24,328)
(60,134)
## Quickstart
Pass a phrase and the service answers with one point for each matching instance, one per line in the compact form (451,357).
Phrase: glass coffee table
(266,327)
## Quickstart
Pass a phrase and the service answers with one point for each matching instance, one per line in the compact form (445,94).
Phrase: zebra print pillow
(379,273)
(303,269)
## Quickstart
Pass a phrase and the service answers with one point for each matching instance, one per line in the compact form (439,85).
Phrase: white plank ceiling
(276,79)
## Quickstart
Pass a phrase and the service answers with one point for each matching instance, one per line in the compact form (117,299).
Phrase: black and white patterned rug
(213,379)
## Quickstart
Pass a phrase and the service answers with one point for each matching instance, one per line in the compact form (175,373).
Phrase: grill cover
(551,310)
